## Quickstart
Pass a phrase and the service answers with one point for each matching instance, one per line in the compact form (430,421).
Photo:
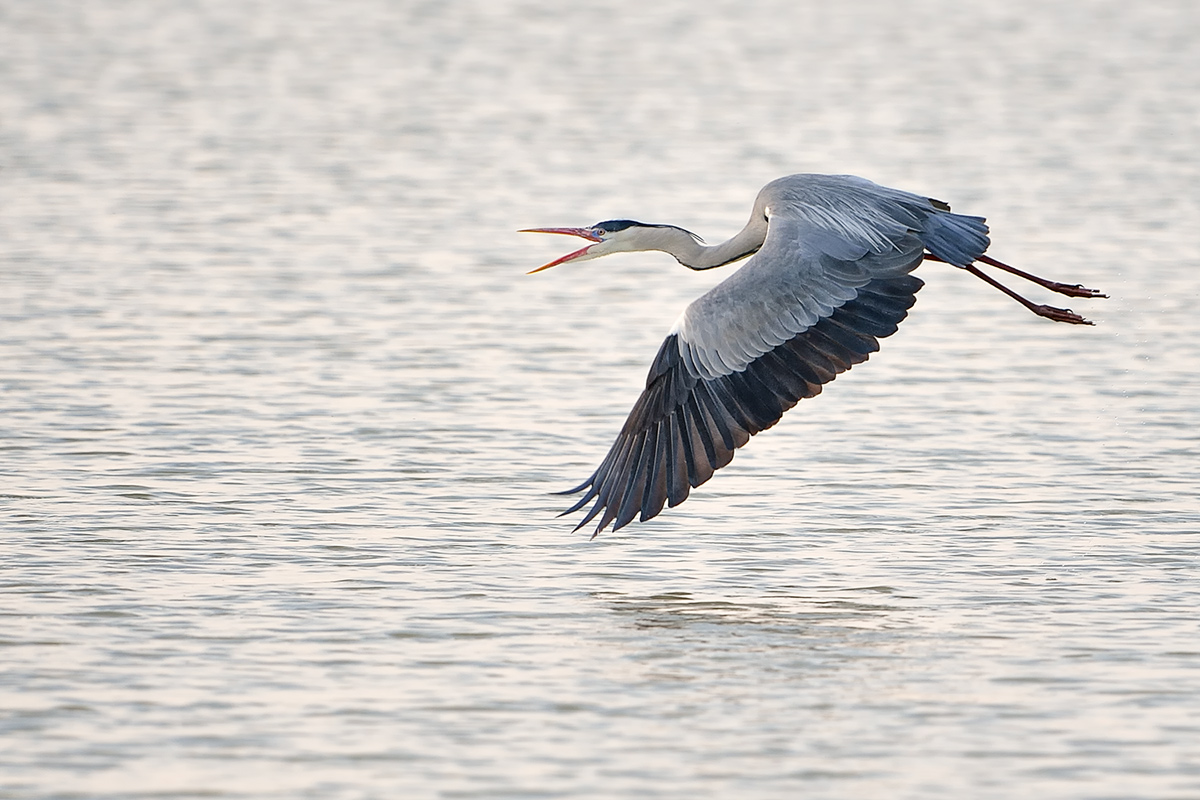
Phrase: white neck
(696,255)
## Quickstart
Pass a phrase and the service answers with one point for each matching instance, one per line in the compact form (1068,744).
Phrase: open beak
(583,233)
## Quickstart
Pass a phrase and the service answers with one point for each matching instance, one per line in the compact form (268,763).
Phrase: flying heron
(828,275)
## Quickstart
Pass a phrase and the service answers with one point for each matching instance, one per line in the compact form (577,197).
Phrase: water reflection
(772,643)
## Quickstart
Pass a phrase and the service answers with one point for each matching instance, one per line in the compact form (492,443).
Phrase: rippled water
(282,411)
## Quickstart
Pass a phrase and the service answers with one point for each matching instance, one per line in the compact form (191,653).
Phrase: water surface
(282,412)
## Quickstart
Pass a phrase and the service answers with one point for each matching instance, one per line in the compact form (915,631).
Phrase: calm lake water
(282,411)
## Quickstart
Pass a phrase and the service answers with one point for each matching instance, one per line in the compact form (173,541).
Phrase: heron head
(611,236)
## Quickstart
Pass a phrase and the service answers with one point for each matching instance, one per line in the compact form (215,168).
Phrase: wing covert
(783,290)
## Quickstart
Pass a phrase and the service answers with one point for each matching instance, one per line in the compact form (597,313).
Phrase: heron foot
(1059,314)
(1073,289)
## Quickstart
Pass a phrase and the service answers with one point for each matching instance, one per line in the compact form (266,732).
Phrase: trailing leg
(1069,289)
(1049,312)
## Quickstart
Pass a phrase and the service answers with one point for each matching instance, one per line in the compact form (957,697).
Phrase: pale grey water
(281,411)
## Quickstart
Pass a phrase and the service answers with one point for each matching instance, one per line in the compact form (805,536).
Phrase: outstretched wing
(810,304)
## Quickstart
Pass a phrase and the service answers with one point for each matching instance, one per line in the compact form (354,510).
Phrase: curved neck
(696,255)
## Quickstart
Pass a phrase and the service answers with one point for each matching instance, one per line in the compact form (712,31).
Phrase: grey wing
(852,214)
(790,285)
(810,304)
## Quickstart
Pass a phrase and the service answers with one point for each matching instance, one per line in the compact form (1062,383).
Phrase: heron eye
(599,232)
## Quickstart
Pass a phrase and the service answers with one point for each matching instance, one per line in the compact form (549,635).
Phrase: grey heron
(827,276)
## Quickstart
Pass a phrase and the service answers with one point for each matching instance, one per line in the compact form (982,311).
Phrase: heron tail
(955,238)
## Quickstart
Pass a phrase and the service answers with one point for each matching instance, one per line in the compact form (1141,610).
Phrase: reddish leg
(1069,289)
(1049,312)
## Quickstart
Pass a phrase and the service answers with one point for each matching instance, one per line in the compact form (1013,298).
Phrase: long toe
(1060,315)
(1074,290)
